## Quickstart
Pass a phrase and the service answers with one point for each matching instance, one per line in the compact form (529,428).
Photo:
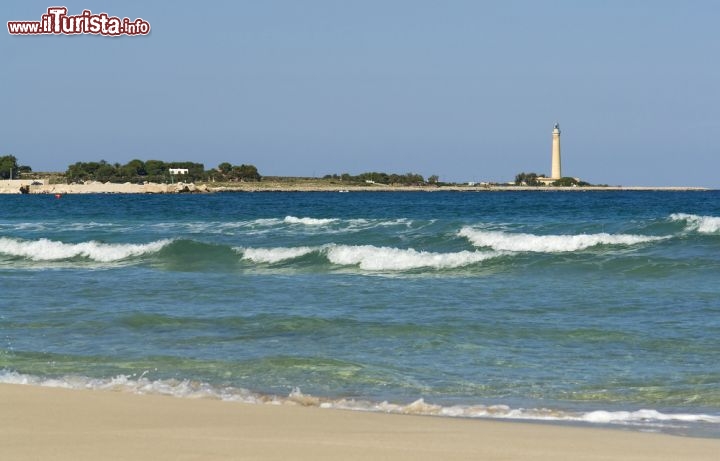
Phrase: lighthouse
(556,168)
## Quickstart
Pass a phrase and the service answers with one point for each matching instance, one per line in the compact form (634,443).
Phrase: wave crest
(51,250)
(369,257)
(504,241)
(274,255)
(702,224)
(309,221)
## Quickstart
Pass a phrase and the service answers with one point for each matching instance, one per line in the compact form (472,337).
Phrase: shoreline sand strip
(62,424)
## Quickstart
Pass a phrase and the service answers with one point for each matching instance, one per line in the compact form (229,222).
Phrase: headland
(290,185)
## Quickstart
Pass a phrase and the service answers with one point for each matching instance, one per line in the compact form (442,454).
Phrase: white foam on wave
(504,241)
(369,257)
(136,384)
(140,384)
(702,224)
(348,224)
(309,221)
(420,407)
(372,258)
(51,250)
(274,255)
(642,416)
(266,222)
(361,224)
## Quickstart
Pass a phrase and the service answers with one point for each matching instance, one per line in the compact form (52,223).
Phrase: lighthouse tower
(556,168)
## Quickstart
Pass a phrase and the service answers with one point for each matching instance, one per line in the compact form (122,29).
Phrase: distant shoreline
(384,188)
(13,187)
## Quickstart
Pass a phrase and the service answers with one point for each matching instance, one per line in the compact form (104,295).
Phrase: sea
(597,308)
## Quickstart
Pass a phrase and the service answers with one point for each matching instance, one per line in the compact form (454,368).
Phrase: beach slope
(60,424)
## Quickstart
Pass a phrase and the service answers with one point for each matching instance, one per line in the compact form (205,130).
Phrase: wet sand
(39,423)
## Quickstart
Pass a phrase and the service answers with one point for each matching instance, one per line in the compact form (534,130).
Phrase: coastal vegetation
(533,180)
(570,182)
(408,179)
(9,168)
(157,171)
(527,179)
(227,172)
(137,171)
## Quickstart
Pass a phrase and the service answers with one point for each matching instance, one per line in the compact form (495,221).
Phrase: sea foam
(140,384)
(504,241)
(51,250)
(308,221)
(702,224)
(372,258)
(641,416)
(369,257)
(274,255)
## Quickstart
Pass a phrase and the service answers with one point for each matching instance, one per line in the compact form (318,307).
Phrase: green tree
(77,172)
(137,167)
(414,179)
(131,171)
(92,167)
(155,168)
(8,167)
(374,176)
(105,172)
(527,179)
(225,168)
(565,182)
(244,173)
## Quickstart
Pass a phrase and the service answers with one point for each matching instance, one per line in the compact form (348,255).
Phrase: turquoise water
(596,307)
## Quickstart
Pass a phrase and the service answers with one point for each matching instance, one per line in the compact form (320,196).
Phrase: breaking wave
(139,384)
(308,221)
(51,250)
(369,257)
(372,258)
(701,224)
(503,241)
(274,255)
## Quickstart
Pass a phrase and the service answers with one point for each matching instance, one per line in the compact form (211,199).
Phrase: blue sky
(467,90)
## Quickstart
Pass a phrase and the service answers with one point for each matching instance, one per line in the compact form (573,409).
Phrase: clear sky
(468,90)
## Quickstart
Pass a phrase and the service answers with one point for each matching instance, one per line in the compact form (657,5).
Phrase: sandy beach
(48,423)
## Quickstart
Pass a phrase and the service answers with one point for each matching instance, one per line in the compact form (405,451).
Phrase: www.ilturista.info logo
(57,21)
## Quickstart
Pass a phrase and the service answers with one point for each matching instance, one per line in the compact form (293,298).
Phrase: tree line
(384,178)
(157,171)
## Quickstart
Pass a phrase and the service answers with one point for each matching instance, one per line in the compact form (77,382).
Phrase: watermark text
(57,22)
